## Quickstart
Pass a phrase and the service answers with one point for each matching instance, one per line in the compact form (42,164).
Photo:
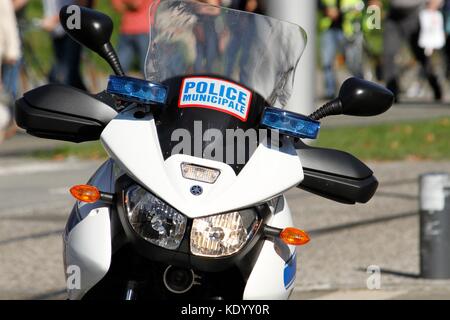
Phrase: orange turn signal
(85,193)
(294,236)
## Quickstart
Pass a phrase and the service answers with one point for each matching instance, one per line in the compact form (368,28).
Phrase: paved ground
(346,240)
(34,205)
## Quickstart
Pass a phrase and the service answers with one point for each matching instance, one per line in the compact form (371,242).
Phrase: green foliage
(87,150)
(424,140)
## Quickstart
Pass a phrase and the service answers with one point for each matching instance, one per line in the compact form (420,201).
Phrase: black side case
(63,113)
(336,175)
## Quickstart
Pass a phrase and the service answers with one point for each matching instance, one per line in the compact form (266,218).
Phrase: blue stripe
(290,270)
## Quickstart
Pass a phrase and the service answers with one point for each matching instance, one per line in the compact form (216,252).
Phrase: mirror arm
(332,108)
(109,54)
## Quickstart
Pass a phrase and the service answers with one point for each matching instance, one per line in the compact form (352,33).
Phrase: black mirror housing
(357,97)
(363,98)
(93,30)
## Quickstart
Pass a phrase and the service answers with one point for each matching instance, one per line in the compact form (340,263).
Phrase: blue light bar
(137,90)
(290,123)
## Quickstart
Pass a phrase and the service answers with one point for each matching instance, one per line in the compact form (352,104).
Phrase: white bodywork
(268,173)
(266,280)
(133,146)
(88,247)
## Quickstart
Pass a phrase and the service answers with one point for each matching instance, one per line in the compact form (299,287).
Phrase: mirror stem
(109,54)
(332,108)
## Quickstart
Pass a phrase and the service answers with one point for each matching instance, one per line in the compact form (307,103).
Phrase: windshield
(222,67)
(259,52)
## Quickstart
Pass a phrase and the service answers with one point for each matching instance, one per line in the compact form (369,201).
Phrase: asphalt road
(34,205)
(346,240)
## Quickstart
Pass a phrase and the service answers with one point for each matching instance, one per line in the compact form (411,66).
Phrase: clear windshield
(259,52)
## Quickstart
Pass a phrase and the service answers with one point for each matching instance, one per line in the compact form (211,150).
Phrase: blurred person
(432,34)
(446,11)
(5,118)
(340,25)
(66,68)
(9,55)
(207,39)
(10,72)
(134,31)
(403,24)
(373,44)
(9,36)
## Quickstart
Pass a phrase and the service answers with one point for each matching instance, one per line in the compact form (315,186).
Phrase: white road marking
(59,191)
(317,287)
(37,209)
(38,167)
(361,295)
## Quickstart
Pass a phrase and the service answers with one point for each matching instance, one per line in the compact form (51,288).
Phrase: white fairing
(266,281)
(134,145)
(88,248)
(134,148)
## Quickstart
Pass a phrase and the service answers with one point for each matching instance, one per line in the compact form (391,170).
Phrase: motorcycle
(190,203)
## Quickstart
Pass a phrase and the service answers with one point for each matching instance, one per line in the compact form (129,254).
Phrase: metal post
(303,13)
(435,226)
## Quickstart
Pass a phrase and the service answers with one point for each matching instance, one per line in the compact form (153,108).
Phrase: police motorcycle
(181,209)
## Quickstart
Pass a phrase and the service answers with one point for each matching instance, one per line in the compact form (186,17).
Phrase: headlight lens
(223,235)
(153,219)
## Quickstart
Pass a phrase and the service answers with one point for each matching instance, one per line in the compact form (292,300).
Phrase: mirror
(93,30)
(357,97)
(364,98)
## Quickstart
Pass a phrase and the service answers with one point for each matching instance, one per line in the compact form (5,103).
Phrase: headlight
(153,219)
(223,235)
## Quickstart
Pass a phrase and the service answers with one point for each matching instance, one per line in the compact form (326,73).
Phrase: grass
(421,140)
(87,150)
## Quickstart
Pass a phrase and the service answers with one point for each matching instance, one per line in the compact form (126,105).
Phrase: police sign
(216,94)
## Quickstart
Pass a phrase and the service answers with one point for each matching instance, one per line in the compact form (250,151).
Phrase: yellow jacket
(351,10)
